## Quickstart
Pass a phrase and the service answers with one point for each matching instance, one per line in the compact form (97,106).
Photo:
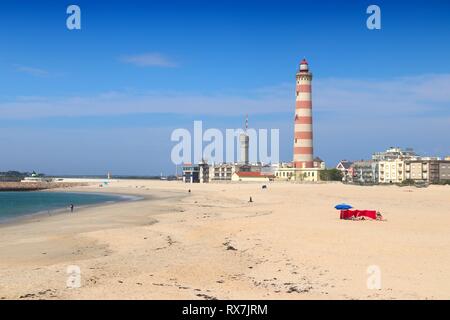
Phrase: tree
(331,175)
(408,182)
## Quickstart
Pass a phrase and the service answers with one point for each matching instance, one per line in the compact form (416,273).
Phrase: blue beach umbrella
(343,206)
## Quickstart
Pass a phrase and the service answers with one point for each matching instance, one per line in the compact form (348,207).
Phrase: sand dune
(213,244)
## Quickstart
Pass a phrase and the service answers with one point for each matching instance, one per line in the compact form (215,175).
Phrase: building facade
(222,171)
(190,173)
(196,173)
(225,171)
(394,153)
(363,172)
(422,170)
(344,166)
(444,170)
(318,163)
(391,171)
(287,172)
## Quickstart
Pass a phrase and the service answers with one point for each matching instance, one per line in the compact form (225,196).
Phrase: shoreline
(213,243)
(31,216)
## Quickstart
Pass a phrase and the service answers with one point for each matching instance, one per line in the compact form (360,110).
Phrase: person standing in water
(71,207)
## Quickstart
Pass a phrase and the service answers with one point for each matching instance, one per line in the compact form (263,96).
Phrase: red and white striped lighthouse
(303,133)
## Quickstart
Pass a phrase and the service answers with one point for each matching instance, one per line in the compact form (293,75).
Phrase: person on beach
(71,207)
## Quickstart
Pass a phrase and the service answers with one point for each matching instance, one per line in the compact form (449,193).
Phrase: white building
(391,171)
(394,153)
(286,172)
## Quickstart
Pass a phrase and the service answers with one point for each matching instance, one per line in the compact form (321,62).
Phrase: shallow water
(18,204)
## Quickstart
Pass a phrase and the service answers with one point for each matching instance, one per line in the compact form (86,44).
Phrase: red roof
(253,174)
(304,61)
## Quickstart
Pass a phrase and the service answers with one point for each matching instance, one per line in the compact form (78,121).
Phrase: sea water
(17,204)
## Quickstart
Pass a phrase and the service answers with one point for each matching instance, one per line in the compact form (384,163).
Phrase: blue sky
(108,96)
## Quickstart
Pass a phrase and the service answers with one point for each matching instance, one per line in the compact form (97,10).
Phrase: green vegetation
(12,175)
(331,175)
(407,182)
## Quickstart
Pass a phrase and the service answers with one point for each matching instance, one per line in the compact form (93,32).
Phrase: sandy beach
(212,243)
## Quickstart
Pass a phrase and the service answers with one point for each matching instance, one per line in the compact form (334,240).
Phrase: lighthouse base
(298,174)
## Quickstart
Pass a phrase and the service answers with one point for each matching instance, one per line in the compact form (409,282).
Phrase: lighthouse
(303,133)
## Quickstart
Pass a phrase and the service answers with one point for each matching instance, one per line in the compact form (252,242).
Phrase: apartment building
(422,170)
(444,170)
(223,171)
(391,171)
(196,173)
(363,172)
(394,153)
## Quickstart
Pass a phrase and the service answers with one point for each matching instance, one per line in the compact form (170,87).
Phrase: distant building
(225,171)
(222,171)
(391,171)
(250,176)
(198,173)
(35,177)
(203,172)
(363,172)
(344,166)
(444,170)
(287,172)
(284,171)
(395,165)
(318,163)
(191,173)
(394,153)
(423,170)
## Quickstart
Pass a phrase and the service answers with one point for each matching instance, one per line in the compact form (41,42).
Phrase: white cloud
(406,95)
(342,98)
(37,72)
(149,60)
